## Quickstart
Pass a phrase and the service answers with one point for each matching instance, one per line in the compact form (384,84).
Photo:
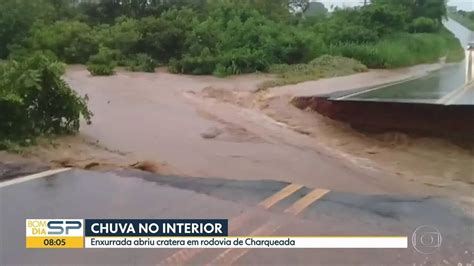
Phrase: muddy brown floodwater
(212,127)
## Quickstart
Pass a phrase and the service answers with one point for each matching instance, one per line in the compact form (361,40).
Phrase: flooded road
(212,127)
(160,117)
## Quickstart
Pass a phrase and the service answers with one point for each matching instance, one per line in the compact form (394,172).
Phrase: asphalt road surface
(248,205)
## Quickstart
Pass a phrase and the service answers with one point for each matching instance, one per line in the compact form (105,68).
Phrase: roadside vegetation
(295,39)
(36,101)
(465,18)
(223,37)
(325,66)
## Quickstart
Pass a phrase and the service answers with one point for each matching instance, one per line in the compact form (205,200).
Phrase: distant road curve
(462,33)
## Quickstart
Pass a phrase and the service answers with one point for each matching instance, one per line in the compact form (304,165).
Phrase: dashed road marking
(282,194)
(307,200)
(32,177)
(184,255)
(230,256)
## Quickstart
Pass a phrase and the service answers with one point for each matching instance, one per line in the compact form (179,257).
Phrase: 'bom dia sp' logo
(54,233)
(53,227)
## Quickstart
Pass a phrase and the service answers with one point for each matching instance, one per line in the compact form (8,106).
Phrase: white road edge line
(445,99)
(32,177)
(458,96)
(454,96)
(377,87)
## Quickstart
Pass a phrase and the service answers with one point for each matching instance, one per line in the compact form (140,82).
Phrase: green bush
(101,70)
(197,65)
(232,62)
(423,24)
(224,37)
(71,41)
(17,18)
(234,39)
(35,100)
(337,63)
(123,36)
(141,63)
(165,37)
(367,54)
(322,67)
(21,53)
(352,34)
(103,63)
(399,50)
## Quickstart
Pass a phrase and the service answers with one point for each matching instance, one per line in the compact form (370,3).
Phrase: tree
(17,17)
(299,6)
(35,100)
(316,9)
(274,9)
(383,19)
(423,24)
(434,9)
(71,41)
(123,36)
(106,11)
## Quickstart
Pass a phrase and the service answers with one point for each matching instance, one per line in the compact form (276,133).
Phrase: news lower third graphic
(193,233)
(54,233)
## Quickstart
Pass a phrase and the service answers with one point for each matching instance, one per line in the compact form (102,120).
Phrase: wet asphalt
(135,194)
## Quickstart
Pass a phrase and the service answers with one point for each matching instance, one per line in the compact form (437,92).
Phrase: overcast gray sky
(461,4)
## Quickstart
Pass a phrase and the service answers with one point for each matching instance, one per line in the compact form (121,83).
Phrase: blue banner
(150,227)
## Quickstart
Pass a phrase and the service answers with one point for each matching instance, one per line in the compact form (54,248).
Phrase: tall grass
(403,49)
(455,50)
(325,66)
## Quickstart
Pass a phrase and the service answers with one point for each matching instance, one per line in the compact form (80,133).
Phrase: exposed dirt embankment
(430,160)
(434,161)
(453,122)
